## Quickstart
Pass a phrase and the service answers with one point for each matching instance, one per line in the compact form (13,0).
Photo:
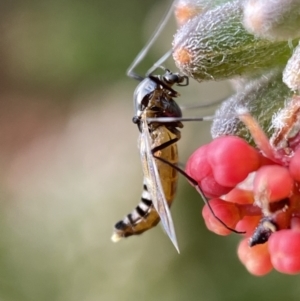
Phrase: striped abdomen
(144,216)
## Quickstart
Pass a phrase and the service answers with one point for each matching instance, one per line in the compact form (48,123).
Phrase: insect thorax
(154,99)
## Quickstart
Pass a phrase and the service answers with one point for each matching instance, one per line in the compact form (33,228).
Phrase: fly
(153,98)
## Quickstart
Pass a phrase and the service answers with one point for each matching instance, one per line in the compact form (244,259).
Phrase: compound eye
(171,78)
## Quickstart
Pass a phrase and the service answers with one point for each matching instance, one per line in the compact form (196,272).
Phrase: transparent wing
(154,184)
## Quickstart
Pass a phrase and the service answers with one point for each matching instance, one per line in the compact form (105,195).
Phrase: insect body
(153,98)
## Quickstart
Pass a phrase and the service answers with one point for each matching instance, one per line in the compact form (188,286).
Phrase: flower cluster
(256,191)
(251,169)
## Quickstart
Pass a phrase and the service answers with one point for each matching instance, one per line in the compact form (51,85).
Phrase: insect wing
(154,184)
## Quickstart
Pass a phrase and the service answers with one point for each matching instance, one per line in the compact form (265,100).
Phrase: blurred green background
(70,166)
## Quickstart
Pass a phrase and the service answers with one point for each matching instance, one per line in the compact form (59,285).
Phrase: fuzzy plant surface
(250,171)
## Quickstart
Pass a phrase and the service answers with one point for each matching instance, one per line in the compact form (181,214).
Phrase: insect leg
(158,64)
(164,145)
(141,55)
(176,119)
(202,105)
(196,186)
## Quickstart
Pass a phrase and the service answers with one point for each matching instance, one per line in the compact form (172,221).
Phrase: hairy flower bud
(188,9)
(261,97)
(273,19)
(291,73)
(215,45)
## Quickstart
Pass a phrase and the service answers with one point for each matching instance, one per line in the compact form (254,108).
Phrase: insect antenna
(141,55)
